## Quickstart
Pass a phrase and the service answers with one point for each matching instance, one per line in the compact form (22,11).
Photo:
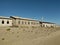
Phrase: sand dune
(18,36)
(52,39)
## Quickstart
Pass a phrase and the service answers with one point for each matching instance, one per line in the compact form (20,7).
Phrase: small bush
(16,26)
(17,36)
(3,38)
(8,29)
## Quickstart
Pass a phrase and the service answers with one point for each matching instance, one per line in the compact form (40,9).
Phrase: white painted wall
(27,23)
(49,25)
(5,22)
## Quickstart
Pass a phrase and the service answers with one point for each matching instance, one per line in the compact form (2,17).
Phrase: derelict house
(19,21)
(47,24)
(5,21)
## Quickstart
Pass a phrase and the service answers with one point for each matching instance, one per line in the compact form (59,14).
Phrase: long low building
(19,21)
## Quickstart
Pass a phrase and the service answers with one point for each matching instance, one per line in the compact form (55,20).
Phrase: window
(18,22)
(7,22)
(2,21)
(28,22)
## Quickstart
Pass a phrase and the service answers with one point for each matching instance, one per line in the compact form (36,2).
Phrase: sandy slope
(29,37)
(53,39)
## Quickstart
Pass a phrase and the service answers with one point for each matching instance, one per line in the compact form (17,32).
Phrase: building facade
(47,24)
(19,21)
(5,21)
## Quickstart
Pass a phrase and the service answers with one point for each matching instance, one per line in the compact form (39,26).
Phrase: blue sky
(48,9)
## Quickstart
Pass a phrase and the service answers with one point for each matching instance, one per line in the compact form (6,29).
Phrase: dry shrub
(16,26)
(31,31)
(8,29)
(3,38)
(17,36)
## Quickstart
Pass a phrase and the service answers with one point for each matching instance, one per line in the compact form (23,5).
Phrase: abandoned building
(47,24)
(5,21)
(19,21)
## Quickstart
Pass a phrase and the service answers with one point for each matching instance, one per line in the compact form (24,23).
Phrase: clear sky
(48,9)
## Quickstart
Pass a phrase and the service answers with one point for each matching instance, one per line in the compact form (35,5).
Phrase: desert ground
(29,36)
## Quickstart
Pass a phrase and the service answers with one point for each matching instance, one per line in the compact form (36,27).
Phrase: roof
(16,17)
(48,22)
(3,17)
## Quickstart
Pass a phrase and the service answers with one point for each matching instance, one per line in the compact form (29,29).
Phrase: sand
(41,36)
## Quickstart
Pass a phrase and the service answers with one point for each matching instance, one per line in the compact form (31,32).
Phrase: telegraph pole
(42,22)
(42,19)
